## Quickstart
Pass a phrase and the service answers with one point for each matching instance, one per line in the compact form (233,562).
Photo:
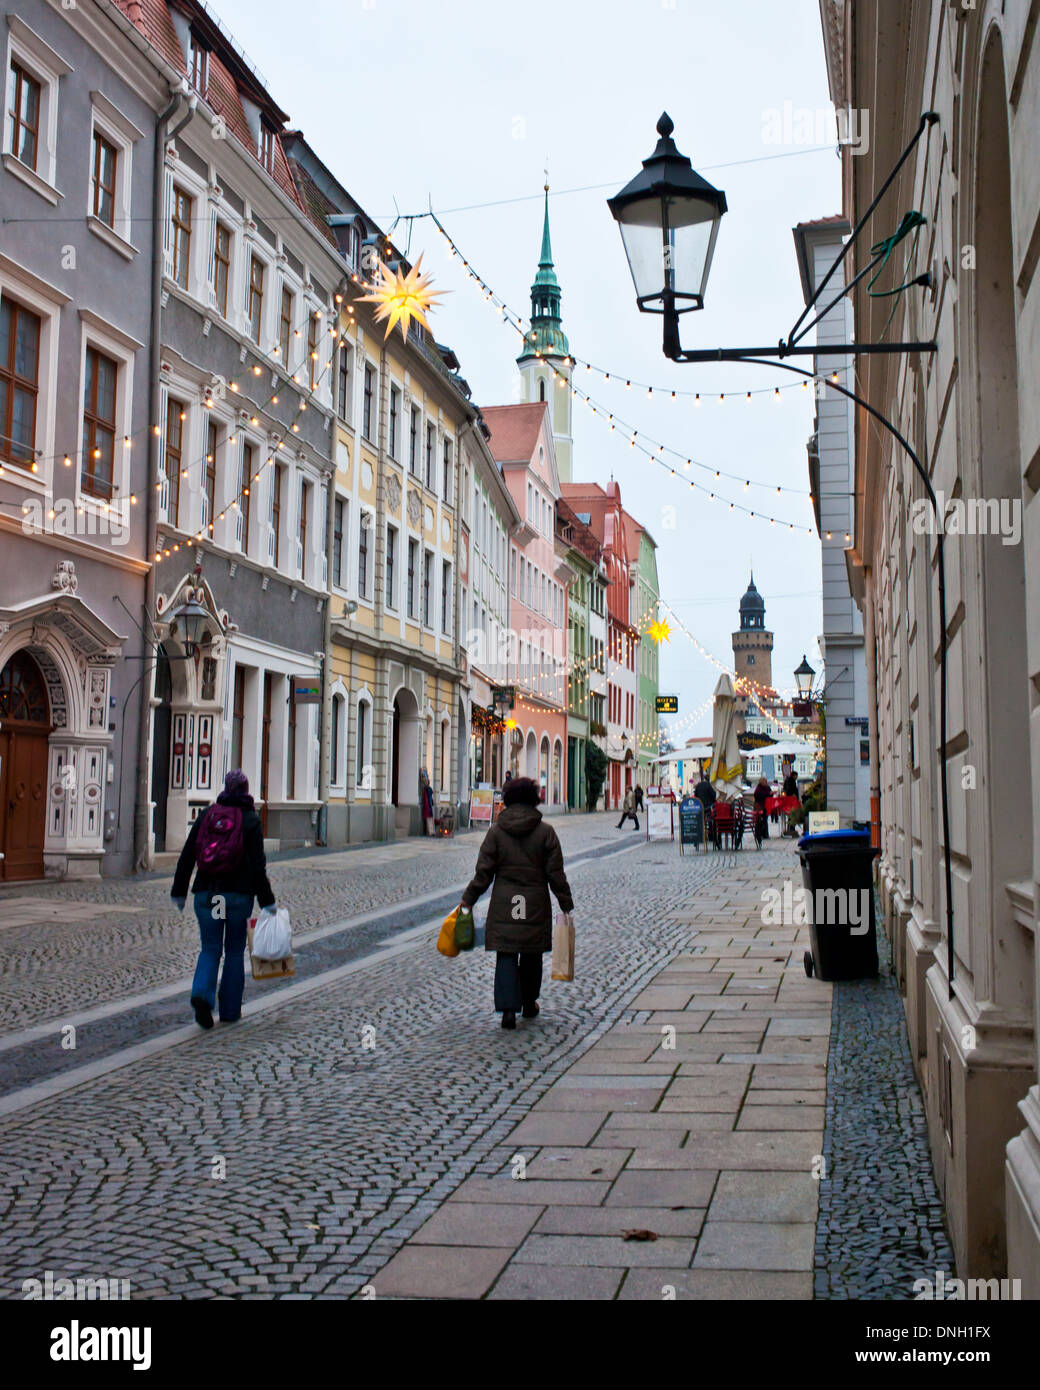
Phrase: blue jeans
(222,935)
(518,979)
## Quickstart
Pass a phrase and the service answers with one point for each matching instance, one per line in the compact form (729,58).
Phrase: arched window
(541,390)
(363,745)
(337,761)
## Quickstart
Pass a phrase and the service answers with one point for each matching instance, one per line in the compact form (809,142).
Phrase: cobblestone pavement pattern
(112,939)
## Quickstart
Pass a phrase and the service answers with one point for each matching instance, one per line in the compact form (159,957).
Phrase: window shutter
(168,222)
(206,518)
(164,481)
(212,272)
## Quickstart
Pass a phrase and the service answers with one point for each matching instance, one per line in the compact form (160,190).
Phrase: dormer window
(265,147)
(198,65)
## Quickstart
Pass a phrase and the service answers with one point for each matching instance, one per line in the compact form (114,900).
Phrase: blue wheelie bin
(837,873)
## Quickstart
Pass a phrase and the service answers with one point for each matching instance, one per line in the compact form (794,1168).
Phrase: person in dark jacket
(705,793)
(763,791)
(638,793)
(791,784)
(521,854)
(223,905)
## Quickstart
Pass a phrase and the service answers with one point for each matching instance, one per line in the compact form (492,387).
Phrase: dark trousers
(624,817)
(518,979)
(223,933)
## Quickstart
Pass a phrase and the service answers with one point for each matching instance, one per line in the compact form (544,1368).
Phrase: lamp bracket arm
(928,119)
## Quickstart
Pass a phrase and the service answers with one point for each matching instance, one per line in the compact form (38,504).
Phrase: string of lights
(658,450)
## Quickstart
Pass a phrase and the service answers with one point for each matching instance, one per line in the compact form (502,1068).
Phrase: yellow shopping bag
(446,940)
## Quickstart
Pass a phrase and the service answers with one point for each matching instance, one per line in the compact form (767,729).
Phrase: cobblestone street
(369,1127)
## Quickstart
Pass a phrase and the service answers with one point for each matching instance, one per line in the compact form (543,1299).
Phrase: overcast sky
(465,102)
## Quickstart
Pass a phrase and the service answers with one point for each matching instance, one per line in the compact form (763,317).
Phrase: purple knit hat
(236,783)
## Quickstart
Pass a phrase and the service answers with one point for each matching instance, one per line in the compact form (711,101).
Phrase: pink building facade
(522,445)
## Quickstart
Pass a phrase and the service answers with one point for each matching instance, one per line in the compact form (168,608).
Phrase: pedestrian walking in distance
(521,855)
(639,797)
(226,849)
(628,809)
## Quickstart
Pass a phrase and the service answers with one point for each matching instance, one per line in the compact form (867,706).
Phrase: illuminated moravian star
(402,298)
(660,632)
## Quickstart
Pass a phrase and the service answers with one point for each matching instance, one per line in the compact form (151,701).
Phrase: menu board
(691,821)
(659,824)
(482,799)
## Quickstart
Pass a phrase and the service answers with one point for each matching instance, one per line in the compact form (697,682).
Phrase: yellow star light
(660,632)
(402,298)
(510,723)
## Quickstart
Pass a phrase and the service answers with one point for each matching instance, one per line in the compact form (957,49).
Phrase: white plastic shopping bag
(272,936)
(563,947)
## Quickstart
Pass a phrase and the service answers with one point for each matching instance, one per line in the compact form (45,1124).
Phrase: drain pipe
(142,818)
(870,654)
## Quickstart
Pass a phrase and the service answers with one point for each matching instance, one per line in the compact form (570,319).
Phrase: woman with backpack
(522,856)
(226,849)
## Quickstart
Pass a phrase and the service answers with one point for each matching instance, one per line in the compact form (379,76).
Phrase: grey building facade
(831,474)
(76,187)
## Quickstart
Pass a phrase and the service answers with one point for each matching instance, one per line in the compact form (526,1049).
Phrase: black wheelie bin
(837,873)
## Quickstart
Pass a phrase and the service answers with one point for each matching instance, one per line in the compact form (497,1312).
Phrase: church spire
(546,337)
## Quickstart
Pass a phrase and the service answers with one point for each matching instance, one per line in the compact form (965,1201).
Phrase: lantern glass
(669,242)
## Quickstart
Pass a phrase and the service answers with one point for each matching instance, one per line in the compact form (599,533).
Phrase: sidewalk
(699,1120)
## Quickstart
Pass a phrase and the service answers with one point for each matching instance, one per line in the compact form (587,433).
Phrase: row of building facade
(968,959)
(240,525)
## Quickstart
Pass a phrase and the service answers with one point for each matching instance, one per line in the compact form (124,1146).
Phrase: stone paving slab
(478,1223)
(610,1251)
(729,1286)
(614,1220)
(756,1245)
(440,1271)
(530,1282)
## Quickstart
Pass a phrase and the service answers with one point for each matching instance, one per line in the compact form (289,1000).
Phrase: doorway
(24,750)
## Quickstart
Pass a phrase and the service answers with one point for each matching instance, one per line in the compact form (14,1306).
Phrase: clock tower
(546,347)
(753,648)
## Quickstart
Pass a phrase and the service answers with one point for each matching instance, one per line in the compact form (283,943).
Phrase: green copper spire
(546,337)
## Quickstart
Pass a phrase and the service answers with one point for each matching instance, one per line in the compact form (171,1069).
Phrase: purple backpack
(219,846)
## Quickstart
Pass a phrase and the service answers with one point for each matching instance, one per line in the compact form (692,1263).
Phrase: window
(290,744)
(276,511)
(210,476)
(512,572)
(541,390)
(370,386)
(255,303)
(245,502)
(103,180)
(343,404)
(391,556)
(413,555)
(447,470)
(285,321)
(305,498)
(430,434)
(99,425)
(446,597)
(361,780)
(427,580)
(395,405)
(222,267)
(314,350)
(338,706)
(23,111)
(238,710)
(181,236)
(413,442)
(265,147)
(363,554)
(338,519)
(198,65)
(175,414)
(19,381)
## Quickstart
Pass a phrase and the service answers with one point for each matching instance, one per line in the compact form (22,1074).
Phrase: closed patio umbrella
(726,773)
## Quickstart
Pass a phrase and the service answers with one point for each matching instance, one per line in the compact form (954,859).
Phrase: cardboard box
(269,969)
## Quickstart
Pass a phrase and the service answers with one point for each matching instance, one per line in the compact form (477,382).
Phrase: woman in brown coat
(522,855)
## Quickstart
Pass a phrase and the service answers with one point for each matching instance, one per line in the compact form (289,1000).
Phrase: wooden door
(24,732)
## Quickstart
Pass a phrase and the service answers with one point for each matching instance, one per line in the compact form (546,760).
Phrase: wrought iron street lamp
(804,676)
(669,206)
(669,218)
(190,617)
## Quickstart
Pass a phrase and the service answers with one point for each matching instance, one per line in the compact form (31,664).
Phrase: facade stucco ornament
(393,492)
(64,578)
(414,508)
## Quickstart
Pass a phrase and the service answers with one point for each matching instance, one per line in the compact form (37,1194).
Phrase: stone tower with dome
(753,648)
